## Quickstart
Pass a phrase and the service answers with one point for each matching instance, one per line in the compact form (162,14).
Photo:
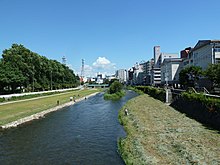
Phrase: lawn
(14,111)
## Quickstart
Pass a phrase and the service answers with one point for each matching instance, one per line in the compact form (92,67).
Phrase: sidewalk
(33,93)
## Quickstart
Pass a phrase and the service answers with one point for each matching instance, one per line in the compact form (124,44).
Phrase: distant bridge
(98,85)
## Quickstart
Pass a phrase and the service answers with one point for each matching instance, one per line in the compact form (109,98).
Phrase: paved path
(33,93)
(35,98)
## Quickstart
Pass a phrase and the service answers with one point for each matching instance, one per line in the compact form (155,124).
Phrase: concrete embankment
(41,114)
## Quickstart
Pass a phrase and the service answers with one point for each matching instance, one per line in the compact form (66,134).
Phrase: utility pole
(51,80)
(33,78)
(166,79)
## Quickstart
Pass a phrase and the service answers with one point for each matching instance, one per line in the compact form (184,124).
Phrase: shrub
(2,99)
(156,93)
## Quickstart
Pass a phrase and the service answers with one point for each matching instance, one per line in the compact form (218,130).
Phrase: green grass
(14,111)
(157,134)
(114,96)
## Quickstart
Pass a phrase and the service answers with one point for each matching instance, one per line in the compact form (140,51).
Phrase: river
(84,133)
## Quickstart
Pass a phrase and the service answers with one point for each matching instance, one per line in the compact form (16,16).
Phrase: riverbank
(158,134)
(12,115)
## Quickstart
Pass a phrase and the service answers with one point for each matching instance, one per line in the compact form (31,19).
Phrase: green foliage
(140,92)
(115,87)
(114,96)
(209,102)
(213,73)
(189,76)
(156,93)
(114,92)
(2,99)
(20,67)
(111,81)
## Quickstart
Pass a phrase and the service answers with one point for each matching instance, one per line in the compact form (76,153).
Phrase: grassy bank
(14,111)
(158,134)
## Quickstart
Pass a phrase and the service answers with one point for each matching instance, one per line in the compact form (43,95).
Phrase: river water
(82,134)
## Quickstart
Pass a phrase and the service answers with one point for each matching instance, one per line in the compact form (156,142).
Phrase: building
(149,68)
(164,56)
(155,77)
(139,74)
(158,60)
(155,72)
(170,70)
(185,53)
(156,56)
(121,75)
(204,53)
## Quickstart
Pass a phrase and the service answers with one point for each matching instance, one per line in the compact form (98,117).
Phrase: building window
(217,60)
(217,49)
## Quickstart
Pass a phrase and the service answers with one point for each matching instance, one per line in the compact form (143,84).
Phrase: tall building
(156,56)
(121,75)
(158,60)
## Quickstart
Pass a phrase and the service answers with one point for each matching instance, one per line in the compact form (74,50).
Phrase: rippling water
(85,133)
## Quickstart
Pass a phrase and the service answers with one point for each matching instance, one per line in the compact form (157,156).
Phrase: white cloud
(103,63)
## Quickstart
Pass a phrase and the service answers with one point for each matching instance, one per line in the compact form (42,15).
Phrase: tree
(189,76)
(32,71)
(10,77)
(115,87)
(213,74)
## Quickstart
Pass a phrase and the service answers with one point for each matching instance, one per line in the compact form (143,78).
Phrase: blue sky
(108,34)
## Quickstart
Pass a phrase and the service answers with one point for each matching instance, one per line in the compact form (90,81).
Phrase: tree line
(189,76)
(24,70)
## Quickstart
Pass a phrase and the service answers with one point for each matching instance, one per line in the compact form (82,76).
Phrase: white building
(138,74)
(204,53)
(170,69)
(121,75)
(158,60)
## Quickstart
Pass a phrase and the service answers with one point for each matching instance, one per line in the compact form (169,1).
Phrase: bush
(156,93)
(115,87)
(200,107)
(114,96)
(2,99)
(140,92)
